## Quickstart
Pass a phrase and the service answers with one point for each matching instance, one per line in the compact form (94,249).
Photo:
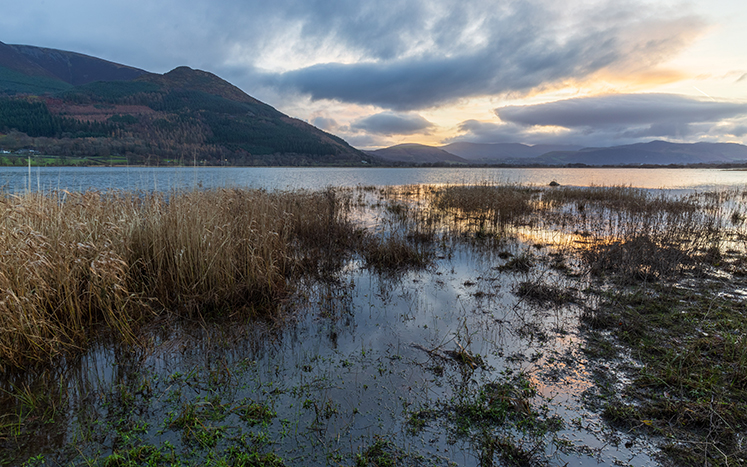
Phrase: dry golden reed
(72,261)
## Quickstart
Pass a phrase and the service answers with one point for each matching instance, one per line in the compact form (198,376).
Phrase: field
(12,160)
(416,325)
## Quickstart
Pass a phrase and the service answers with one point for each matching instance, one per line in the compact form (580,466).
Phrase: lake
(17,179)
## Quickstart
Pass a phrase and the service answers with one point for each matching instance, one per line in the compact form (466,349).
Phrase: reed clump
(394,253)
(618,198)
(71,262)
(487,205)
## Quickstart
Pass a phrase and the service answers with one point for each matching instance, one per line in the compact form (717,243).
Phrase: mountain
(416,154)
(502,152)
(654,152)
(72,105)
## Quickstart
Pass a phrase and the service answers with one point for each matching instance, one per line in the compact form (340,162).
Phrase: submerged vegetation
(512,295)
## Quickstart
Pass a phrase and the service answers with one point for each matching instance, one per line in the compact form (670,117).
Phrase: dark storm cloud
(523,46)
(390,123)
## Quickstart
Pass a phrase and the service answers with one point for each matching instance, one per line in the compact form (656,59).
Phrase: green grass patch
(692,385)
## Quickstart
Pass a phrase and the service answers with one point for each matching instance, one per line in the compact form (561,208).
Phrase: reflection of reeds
(71,261)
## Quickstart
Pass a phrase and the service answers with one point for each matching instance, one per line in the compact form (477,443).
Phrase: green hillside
(13,82)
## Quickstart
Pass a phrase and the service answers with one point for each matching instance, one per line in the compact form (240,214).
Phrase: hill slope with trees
(74,106)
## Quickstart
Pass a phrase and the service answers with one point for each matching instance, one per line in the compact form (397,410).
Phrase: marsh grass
(383,453)
(692,386)
(629,234)
(486,207)
(74,261)
(395,253)
(501,418)
(544,293)
(522,262)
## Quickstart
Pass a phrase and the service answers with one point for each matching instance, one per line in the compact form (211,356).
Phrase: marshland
(426,324)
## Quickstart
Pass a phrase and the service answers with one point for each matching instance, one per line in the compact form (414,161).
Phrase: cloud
(610,120)
(366,142)
(327,124)
(399,55)
(390,123)
(520,47)
(622,110)
(476,131)
(738,130)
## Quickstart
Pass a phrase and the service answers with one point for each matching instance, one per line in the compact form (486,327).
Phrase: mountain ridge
(651,153)
(655,152)
(76,68)
(487,152)
(75,105)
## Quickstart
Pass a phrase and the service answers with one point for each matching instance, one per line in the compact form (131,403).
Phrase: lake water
(17,179)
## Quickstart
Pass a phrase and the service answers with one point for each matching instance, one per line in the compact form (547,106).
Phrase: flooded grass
(418,325)
(692,386)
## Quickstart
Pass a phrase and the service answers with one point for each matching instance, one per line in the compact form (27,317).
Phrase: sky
(379,73)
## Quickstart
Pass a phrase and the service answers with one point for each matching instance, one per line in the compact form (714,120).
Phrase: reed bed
(74,261)
(628,233)
(618,198)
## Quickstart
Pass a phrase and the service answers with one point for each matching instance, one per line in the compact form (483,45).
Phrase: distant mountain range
(652,153)
(73,105)
(487,153)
